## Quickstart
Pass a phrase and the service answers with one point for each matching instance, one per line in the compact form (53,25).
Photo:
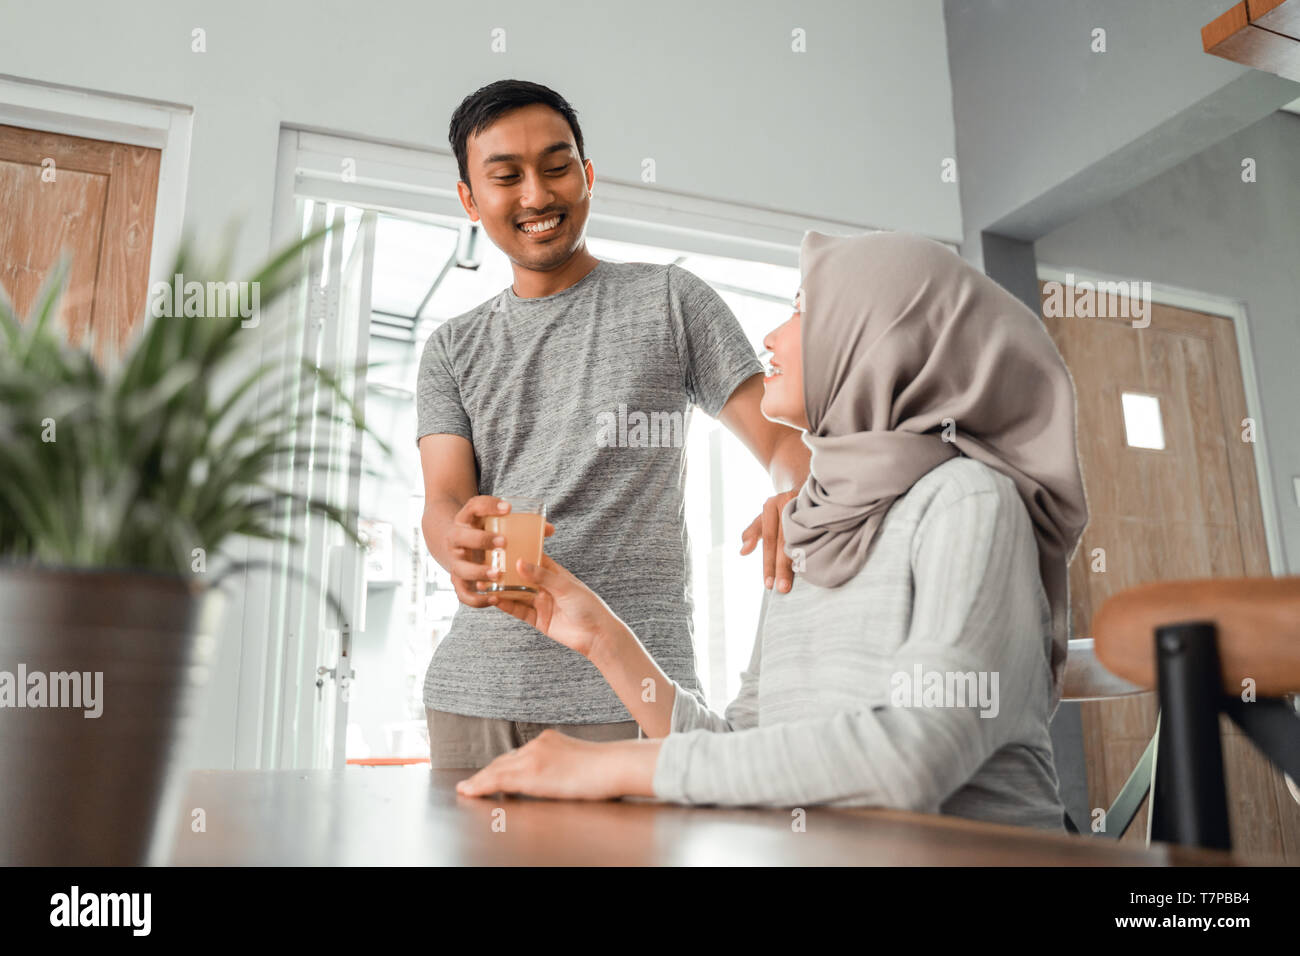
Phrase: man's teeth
(541,226)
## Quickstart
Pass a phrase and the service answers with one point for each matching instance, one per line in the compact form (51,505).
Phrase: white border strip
(1235,310)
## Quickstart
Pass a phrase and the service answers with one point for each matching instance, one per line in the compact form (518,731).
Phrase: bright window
(1143,427)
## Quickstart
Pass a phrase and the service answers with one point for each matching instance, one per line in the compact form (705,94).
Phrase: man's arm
(778,448)
(449,482)
(453,514)
(781,450)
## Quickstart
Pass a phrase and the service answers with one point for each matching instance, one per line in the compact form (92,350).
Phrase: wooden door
(94,199)
(1188,510)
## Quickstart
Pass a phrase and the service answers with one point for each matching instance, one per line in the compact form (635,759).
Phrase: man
(510,398)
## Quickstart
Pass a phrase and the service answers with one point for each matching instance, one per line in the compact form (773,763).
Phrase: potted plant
(121,490)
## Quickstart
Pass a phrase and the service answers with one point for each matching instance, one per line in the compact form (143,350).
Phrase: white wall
(1199,227)
(853,130)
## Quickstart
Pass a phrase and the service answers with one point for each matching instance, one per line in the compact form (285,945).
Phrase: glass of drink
(523,527)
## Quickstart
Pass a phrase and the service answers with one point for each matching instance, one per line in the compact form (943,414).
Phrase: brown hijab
(899,334)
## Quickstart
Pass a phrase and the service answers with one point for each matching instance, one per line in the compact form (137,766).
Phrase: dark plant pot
(99,791)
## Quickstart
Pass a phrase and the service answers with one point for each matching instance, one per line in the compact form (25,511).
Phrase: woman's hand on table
(564,609)
(564,768)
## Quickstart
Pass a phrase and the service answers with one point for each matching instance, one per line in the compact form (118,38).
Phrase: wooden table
(413,816)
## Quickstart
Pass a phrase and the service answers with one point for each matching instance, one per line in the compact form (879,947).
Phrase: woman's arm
(568,611)
(554,765)
(977,610)
(977,607)
(623,662)
(645,690)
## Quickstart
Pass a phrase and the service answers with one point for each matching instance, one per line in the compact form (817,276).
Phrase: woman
(917,660)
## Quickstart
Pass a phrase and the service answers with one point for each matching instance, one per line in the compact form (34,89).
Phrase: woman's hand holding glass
(570,613)
(564,609)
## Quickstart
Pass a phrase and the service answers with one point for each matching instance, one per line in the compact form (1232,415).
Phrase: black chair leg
(1190,802)
(1272,726)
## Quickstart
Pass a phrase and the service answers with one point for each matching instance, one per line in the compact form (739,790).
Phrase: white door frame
(118,119)
(1210,304)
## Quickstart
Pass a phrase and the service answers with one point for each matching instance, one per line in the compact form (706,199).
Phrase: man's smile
(542,228)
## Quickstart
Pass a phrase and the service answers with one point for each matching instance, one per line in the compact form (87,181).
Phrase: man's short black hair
(484,106)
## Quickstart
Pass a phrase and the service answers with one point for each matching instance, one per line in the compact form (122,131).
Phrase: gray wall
(1199,227)
(1046,128)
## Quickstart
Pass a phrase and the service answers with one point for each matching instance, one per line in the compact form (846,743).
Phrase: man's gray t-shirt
(582,399)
